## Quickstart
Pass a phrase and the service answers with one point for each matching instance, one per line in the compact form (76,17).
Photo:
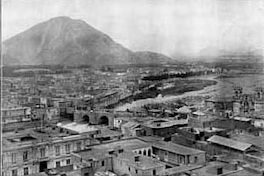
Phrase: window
(188,159)
(68,161)
(26,171)
(154,172)
(3,160)
(86,174)
(136,171)
(57,164)
(78,144)
(14,172)
(25,156)
(144,152)
(181,159)
(42,152)
(195,159)
(103,163)
(129,169)
(57,150)
(68,148)
(13,157)
(149,152)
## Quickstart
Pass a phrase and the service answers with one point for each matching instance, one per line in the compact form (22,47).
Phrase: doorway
(42,166)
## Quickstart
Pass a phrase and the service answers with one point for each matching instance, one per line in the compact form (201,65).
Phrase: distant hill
(65,41)
(150,57)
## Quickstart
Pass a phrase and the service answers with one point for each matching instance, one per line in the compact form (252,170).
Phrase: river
(224,87)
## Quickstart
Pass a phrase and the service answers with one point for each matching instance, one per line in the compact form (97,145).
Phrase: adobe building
(221,145)
(133,158)
(33,151)
(16,114)
(162,127)
(177,154)
(188,136)
(137,156)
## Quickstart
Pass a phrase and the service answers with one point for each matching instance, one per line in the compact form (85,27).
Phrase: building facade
(34,152)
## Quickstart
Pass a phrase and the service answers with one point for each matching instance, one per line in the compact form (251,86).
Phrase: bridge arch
(86,118)
(103,120)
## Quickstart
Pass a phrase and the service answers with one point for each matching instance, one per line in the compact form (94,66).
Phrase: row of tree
(174,75)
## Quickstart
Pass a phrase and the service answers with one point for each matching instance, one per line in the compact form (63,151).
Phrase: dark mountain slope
(62,40)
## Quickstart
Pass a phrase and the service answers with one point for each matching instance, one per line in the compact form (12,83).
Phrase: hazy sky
(172,27)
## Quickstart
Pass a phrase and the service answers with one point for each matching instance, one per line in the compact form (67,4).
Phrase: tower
(238,91)
(237,104)
(259,99)
(259,93)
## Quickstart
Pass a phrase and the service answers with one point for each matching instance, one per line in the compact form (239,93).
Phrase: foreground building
(127,156)
(135,156)
(36,150)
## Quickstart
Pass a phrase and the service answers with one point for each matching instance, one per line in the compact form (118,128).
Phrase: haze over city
(132,88)
(176,28)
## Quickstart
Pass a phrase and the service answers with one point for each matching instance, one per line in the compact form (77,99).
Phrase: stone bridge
(94,117)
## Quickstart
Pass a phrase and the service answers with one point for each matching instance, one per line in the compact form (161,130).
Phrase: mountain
(66,41)
(150,57)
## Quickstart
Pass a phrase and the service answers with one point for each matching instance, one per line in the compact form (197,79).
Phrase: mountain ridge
(66,41)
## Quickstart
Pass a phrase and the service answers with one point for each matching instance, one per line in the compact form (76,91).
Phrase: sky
(177,28)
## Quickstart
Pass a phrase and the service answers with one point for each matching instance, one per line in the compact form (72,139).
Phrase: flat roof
(150,138)
(242,146)
(39,174)
(176,148)
(29,137)
(184,109)
(126,144)
(15,108)
(244,173)
(180,169)
(245,119)
(210,169)
(105,132)
(144,162)
(93,153)
(199,113)
(210,129)
(163,123)
(78,128)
